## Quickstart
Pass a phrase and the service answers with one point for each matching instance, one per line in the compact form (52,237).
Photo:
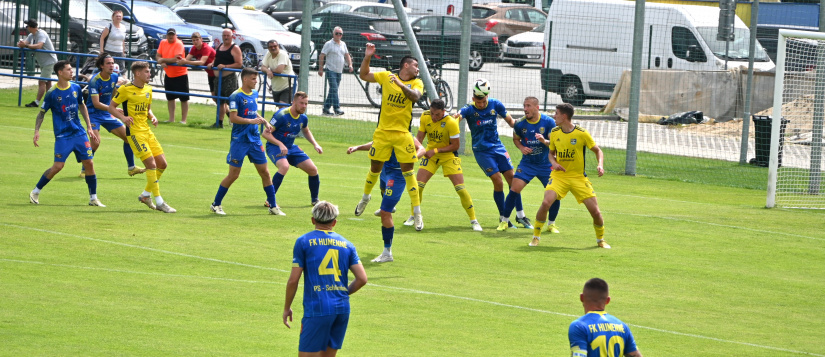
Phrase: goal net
(796,128)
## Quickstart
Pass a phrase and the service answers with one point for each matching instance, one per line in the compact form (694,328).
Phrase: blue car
(155,19)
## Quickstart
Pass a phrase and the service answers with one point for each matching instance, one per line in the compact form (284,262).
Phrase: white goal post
(797,123)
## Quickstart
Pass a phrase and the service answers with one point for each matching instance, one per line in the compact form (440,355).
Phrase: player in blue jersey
(488,150)
(69,134)
(100,90)
(535,162)
(246,142)
(324,258)
(597,333)
(287,124)
(393,187)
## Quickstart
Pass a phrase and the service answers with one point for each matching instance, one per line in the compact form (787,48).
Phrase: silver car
(524,48)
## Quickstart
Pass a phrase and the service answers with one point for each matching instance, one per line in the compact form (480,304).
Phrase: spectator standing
(113,39)
(277,61)
(228,55)
(177,77)
(201,54)
(39,40)
(336,55)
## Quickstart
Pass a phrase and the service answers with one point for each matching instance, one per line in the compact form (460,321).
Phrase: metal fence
(574,51)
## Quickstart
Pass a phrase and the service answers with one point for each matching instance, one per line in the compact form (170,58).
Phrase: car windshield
(737,49)
(258,4)
(97,11)
(255,20)
(332,8)
(157,15)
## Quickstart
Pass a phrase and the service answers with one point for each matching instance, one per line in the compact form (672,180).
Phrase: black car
(283,11)
(359,29)
(440,39)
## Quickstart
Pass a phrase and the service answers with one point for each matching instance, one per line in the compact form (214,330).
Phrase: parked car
(155,19)
(524,48)
(282,11)
(507,19)
(185,3)
(9,27)
(439,37)
(358,30)
(252,29)
(87,19)
(383,10)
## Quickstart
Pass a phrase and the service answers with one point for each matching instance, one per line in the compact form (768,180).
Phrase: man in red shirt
(201,54)
(176,78)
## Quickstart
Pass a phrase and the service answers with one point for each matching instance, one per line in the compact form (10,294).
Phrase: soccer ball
(481,88)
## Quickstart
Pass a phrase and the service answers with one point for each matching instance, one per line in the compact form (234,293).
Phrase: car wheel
(476,60)
(518,63)
(572,91)
(247,53)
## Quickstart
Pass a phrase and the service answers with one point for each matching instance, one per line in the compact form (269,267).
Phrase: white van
(589,43)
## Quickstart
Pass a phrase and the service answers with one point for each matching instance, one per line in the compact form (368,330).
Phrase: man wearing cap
(39,40)
(176,78)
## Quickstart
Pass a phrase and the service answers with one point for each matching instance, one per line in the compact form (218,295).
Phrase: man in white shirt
(336,55)
(277,61)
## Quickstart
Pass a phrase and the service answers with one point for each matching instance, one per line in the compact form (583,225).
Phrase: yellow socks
(372,178)
(160,173)
(152,182)
(412,188)
(537,228)
(466,201)
(599,231)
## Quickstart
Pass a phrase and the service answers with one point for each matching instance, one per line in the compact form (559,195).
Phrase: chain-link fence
(695,92)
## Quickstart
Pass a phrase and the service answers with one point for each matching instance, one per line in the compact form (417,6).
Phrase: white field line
(386,287)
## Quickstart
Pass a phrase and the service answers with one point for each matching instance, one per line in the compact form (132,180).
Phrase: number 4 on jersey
(330,258)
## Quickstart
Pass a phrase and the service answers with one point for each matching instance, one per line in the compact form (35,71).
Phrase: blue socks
(519,207)
(387,233)
(270,195)
(314,184)
(512,198)
(219,196)
(498,196)
(277,179)
(130,156)
(554,210)
(91,181)
(42,183)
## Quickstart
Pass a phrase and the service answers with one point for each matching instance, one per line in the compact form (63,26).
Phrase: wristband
(435,150)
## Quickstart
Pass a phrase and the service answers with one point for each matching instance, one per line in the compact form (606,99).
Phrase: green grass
(695,269)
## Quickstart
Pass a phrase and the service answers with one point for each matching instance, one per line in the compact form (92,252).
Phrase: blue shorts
(105,120)
(527,172)
(394,186)
(318,333)
(239,150)
(294,155)
(493,161)
(79,145)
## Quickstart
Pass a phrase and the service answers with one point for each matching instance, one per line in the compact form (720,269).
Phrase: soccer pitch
(695,269)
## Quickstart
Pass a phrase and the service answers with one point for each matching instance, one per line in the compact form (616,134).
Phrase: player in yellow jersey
(136,98)
(399,93)
(442,132)
(567,153)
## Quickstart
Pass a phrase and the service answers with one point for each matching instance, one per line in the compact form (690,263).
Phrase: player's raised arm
(364,72)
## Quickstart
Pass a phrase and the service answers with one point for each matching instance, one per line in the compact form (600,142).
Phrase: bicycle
(374,92)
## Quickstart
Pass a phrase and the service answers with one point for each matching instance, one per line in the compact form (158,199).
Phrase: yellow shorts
(449,163)
(145,145)
(580,186)
(384,142)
